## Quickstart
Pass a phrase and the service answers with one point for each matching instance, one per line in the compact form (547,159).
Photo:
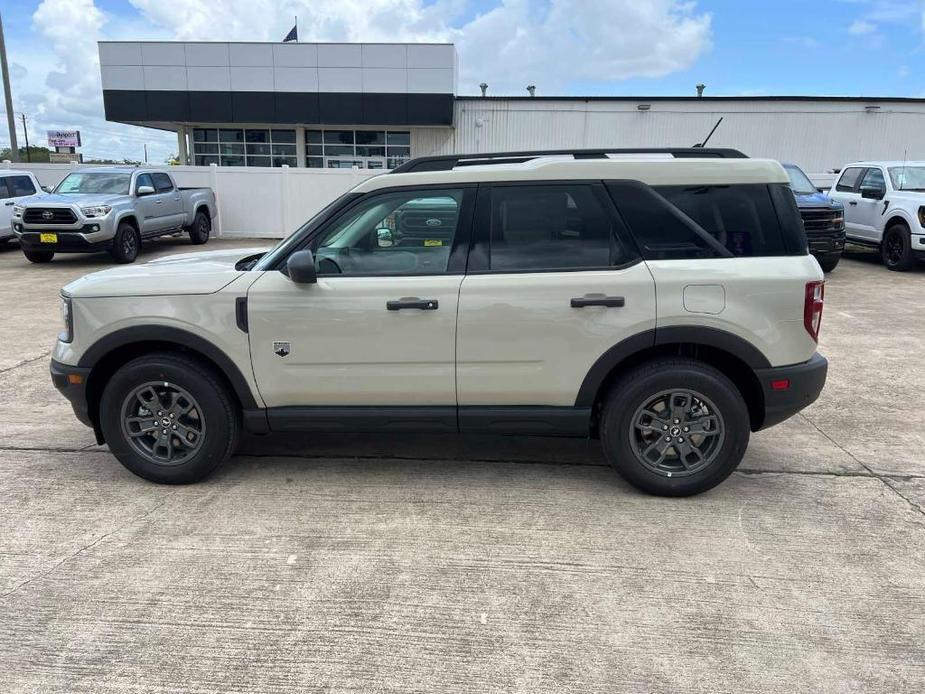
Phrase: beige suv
(661,301)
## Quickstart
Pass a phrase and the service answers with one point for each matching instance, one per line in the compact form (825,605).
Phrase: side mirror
(873,193)
(144,190)
(301,267)
(47,189)
(384,238)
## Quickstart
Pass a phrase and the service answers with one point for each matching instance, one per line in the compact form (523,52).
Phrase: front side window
(144,180)
(162,183)
(740,217)
(406,233)
(20,185)
(849,179)
(550,227)
(95,182)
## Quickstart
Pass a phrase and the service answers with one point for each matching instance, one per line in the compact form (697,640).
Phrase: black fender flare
(685,334)
(141,334)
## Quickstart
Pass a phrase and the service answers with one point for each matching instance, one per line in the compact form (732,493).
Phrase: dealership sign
(64,138)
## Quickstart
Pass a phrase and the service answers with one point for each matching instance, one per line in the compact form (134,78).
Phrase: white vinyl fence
(252,202)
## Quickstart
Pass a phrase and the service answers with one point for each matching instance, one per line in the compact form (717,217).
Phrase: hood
(189,273)
(82,199)
(816,200)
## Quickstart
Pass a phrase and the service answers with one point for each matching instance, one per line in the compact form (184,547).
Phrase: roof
(885,163)
(650,170)
(117,169)
(648,99)
(18,172)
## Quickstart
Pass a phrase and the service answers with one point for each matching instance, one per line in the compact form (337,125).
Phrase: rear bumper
(71,381)
(804,382)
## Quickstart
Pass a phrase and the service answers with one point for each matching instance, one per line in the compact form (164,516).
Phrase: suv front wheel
(169,418)
(674,427)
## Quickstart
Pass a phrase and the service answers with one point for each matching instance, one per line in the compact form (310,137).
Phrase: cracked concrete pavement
(386,563)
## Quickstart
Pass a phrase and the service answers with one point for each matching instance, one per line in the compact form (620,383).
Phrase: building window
(365,149)
(243,147)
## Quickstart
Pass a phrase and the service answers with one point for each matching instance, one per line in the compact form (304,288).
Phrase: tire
(896,248)
(125,244)
(829,263)
(200,229)
(211,421)
(654,384)
(38,256)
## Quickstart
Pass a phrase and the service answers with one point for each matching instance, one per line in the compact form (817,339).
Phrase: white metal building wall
(817,135)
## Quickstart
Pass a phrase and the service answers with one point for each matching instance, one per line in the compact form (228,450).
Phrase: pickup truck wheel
(38,256)
(199,231)
(169,419)
(674,427)
(896,248)
(125,244)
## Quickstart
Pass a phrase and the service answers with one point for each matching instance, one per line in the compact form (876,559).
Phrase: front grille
(820,219)
(48,215)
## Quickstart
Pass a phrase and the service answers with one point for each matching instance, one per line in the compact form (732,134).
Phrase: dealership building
(374,106)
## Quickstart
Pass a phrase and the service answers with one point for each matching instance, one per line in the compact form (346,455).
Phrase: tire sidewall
(117,243)
(219,422)
(196,236)
(639,387)
(903,233)
(38,256)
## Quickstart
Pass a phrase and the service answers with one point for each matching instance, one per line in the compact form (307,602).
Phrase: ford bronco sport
(663,302)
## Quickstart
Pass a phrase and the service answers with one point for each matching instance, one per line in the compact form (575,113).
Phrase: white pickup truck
(885,208)
(111,209)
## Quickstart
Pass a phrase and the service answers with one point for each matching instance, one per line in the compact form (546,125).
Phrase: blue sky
(576,47)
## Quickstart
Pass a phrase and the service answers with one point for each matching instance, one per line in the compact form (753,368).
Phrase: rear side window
(20,185)
(551,227)
(661,230)
(162,183)
(741,217)
(849,179)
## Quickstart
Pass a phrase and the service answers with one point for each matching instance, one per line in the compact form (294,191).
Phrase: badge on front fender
(281,349)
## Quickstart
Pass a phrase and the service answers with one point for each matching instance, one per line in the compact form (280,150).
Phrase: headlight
(96,210)
(922,217)
(67,316)
(838,218)
(17,210)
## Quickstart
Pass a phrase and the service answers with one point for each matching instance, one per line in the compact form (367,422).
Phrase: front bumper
(804,382)
(72,382)
(68,241)
(826,242)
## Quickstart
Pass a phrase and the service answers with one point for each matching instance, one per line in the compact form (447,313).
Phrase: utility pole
(10,118)
(26,133)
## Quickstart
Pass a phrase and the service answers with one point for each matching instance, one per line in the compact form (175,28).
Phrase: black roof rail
(446,162)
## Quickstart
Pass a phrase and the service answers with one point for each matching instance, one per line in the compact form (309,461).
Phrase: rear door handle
(599,300)
(412,302)
(853,202)
(158,202)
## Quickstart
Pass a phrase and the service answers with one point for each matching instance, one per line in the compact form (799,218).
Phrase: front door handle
(9,203)
(412,302)
(598,300)
(158,202)
(853,203)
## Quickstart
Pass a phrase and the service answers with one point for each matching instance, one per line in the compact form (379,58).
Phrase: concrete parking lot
(365,563)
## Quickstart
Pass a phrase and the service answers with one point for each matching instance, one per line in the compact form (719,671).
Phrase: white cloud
(550,43)
(859,27)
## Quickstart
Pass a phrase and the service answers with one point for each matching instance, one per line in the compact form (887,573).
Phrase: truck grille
(48,215)
(820,219)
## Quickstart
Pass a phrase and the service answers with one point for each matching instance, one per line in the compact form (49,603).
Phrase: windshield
(908,177)
(287,244)
(96,182)
(799,181)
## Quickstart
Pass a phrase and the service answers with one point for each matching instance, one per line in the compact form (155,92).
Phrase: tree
(36,154)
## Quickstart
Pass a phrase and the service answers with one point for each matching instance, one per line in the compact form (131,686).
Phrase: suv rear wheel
(169,418)
(896,248)
(674,427)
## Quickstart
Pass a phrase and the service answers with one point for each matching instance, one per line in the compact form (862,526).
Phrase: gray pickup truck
(111,209)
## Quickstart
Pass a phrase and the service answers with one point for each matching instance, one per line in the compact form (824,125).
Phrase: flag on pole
(293,34)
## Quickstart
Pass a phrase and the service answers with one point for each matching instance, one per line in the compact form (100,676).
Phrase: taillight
(812,308)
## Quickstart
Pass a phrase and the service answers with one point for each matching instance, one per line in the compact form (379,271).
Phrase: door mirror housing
(384,238)
(144,190)
(873,193)
(47,189)
(301,267)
